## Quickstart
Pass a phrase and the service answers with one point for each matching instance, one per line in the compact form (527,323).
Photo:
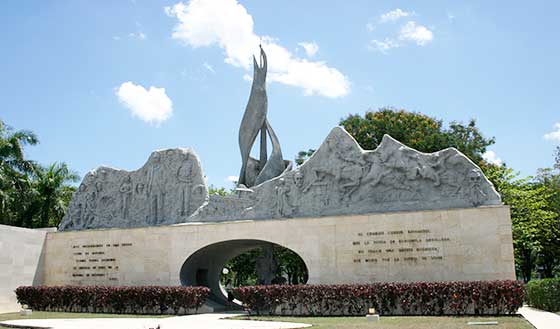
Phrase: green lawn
(400,322)
(62,315)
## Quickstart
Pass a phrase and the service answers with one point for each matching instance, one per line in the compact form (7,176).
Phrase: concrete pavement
(540,319)
(202,321)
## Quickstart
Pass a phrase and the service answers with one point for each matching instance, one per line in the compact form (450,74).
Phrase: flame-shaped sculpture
(253,171)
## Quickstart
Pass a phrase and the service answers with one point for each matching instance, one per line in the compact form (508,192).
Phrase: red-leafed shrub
(106,299)
(417,298)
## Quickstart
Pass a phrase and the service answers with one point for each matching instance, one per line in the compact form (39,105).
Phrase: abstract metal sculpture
(253,171)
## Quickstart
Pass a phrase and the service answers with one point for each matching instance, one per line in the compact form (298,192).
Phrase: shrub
(544,294)
(418,298)
(106,299)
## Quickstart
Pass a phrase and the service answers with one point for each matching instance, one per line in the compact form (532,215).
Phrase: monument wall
(20,259)
(433,245)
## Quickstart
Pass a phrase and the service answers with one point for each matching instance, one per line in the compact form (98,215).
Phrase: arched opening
(205,266)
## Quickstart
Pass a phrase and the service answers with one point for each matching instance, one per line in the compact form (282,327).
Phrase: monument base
(439,245)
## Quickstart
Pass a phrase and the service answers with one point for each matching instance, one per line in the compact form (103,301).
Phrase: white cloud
(152,105)
(554,135)
(139,35)
(233,179)
(311,48)
(226,23)
(393,15)
(209,67)
(383,46)
(491,157)
(416,33)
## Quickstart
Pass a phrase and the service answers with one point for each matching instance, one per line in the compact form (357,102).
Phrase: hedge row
(420,298)
(544,294)
(106,299)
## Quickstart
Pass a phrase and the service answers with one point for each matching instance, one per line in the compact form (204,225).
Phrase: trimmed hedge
(107,299)
(419,298)
(544,294)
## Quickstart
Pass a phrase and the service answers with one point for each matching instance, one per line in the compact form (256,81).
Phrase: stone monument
(352,215)
(340,178)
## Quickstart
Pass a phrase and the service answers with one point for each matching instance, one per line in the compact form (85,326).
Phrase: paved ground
(202,321)
(540,319)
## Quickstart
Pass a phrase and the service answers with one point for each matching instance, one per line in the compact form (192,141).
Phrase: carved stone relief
(340,178)
(166,190)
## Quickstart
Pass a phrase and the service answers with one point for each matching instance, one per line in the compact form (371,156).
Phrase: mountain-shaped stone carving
(340,178)
(166,190)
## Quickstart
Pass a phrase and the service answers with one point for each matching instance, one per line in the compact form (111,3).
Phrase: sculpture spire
(254,172)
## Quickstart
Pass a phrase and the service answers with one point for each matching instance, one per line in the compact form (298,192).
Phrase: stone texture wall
(20,259)
(435,245)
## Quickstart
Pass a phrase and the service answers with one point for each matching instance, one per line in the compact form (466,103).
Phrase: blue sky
(107,82)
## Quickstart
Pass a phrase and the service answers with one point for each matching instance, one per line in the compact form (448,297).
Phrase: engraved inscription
(414,246)
(108,268)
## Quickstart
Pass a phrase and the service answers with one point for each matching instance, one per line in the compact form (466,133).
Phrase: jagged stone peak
(167,189)
(187,151)
(391,177)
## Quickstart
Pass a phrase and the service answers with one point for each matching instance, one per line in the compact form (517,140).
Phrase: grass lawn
(400,322)
(62,315)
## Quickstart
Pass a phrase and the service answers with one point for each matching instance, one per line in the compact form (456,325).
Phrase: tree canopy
(31,195)
(419,131)
(535,219)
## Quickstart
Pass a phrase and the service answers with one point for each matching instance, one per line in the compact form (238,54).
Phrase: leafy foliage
(212,190)
(243,267)
(535,215)
(304,155)
(418,298)
(105,299)
(544,294)
(416,130)
(31,195)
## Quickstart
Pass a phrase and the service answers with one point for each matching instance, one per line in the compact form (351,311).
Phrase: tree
(221,191)
(416,130)
(243,267)
(53,192)
(292,265)
(419,131)
(557,158)
(13,165)
(304,155)
(535,229)
(11,150)
(548,180)
(30,195)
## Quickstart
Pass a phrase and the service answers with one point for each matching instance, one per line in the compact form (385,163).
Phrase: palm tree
(54,193)
(13,164)
(11,149)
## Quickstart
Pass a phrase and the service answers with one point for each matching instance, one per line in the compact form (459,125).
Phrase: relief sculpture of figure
(185,175)
(126,192)
(254,172)
(156,190)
